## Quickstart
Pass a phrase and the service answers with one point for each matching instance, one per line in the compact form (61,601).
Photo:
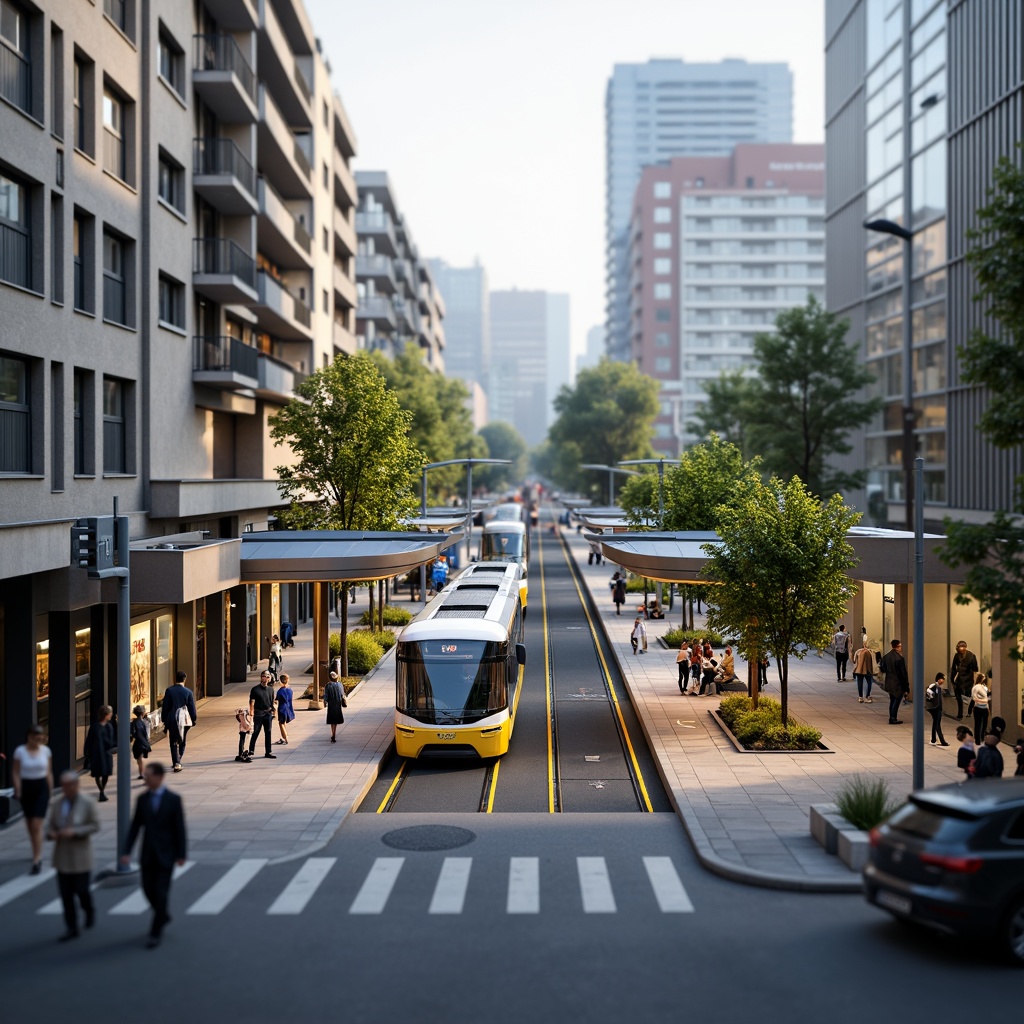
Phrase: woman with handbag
(334,698)
(139,733)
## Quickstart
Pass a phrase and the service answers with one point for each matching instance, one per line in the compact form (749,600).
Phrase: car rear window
(932,823)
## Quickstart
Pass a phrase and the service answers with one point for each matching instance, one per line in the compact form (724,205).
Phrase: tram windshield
(448,682)
(501,545)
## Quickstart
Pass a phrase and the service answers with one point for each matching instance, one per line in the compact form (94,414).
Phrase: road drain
(424,838)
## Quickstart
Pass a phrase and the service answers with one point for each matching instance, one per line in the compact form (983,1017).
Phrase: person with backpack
(962,673)
(178,713)
(988,764)
(933,705)
(841,642)
(864,673)
(275,662)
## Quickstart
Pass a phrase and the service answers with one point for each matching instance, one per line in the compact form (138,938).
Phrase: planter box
(853,846)
(740,749)
(826,825)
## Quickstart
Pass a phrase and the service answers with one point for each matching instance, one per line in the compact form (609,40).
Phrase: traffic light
(92,543)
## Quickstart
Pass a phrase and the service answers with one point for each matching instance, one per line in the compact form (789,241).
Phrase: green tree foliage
(606,417)
(994,552)
(709,475)
(355,463)
(503,442)
(724,410)
(798,410)
(782,572)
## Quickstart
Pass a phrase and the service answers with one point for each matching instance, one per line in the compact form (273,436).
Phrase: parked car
(952,858)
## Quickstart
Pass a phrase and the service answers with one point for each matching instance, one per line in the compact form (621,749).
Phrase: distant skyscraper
(668,108)
(467,324)
(595,349)
(529,358)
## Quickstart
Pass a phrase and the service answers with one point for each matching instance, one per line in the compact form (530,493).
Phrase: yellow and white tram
(460,666)
(507,540)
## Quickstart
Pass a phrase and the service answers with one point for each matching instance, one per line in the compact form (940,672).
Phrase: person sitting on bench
(726,670)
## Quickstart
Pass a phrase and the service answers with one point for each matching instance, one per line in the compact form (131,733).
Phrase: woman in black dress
(99,750)
(334,698)
(33,783)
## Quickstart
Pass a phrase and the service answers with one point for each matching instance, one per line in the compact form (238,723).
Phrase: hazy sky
(489,114)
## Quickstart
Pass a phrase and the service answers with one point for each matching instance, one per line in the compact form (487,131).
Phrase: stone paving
(747,813)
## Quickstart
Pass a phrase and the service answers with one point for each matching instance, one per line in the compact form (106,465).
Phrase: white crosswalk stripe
(300,890)
(667,885)
(377,886)
(523,885)
(22,884)
(450,891)
(137,902)
(219,895)
(595,886)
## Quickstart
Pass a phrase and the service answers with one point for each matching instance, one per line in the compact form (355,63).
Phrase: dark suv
(952,858)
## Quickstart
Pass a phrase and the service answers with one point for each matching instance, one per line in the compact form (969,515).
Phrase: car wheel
(1013,933)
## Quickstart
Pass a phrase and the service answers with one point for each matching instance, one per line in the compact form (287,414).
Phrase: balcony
(378,225)
(405,316)
(279,69)
(378,269)
(233,15)
(344,339)
(224,362)
(198,499)
(277,380)
(282,159)
(223,78)
(344,288)
(223,271)
(344,234)
(279,311)
(346,192)
(282,237)
(223,176)
(377,308)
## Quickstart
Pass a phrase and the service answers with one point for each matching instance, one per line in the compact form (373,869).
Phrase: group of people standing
(698,664)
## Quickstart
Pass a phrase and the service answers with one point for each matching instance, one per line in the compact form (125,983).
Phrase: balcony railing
(15,78)
(300,81)
(224,354)
(375,307)
(222,256)
(375,265)
(15,453)
(14,255)
(273,293)
(219,52)
(222,156)
(373,220)
(301,159)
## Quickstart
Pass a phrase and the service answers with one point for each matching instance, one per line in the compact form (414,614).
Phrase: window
(170,60)
(82,86)
(115,306)
(326,301)
(326,176)
(171,301)
(15,421)
(662,339)
(82,399)
(327,115)
(117,12)
(663,315)
(56,81)
(114,447)
(663,190)
(170,183)
(114,157)
(663,215)
(662,364)
(663,290)
(662,240)
(15,240)
(663,265)
(82,254)
(326,240)
(56,248)
(15,65)
(56,427)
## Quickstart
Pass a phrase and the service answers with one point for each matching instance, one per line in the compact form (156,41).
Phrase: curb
(702,847)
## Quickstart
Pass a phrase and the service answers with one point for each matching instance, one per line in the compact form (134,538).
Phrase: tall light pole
(660,463)
(611,470)
(917,747)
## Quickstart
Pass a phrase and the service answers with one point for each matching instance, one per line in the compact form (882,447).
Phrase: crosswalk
(258,887)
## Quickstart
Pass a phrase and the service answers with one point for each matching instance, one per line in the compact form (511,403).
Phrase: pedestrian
(285,710)
(275,661)
(594,553)
(962,672)
(1018,749)
(287,632)
(73,820)
(159,815)
(638,636)
(979,703)
(261,707)
(896,682)
(696,660)
(864,673)
(726,672)
(439,574)
(33,784)
(100,742)
(334,698)
(965,753)
(139,733)
(988,764)
(618,592)
(933,705)
(178,713)
(841,642)
(708,667)
(762,673)
(244,719)
(683,668)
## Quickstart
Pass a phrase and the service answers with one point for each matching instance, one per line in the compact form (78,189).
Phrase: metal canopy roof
(302,556)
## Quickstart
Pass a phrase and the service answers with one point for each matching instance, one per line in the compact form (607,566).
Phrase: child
(139,732)
(244,720)
(966,754)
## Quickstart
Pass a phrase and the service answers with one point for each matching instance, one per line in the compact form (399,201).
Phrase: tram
(507,540)
(459,667)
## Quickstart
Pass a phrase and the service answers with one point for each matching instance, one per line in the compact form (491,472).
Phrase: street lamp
(660,463)
(611,470)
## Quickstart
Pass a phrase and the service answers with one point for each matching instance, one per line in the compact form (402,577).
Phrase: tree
(608,416)
(503,442)
(782,572)
(724,409)
(800,407)
(994,552)
(355,463)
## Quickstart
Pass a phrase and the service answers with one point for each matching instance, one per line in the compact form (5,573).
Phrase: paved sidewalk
(275,809)
(747,813)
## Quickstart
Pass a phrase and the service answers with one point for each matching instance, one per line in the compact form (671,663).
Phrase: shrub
(635,584)
(393,616)
(385,637)
(732,707)
(865,803)
(334,645)
(762,728)
(674,637)
(363,652)
(750,728)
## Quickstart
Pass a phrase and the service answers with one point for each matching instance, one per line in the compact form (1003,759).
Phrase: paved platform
(747,813)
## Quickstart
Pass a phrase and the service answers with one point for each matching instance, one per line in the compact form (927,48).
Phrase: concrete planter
(740,749)
(826,824)
(852,846)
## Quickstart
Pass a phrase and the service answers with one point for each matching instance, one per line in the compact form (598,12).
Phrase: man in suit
(70,824)
(897,682)
(176,697)
(159,814)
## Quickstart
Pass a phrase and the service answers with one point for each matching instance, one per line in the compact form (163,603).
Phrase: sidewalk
(279,810)
(747,813)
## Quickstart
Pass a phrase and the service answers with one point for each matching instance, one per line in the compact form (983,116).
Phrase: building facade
(594,351)
(398,301)
(177,221)
(529,351)
(668,108)
(719,246)
(467,321)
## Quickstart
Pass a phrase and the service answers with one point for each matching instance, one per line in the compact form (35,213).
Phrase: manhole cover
(428,837)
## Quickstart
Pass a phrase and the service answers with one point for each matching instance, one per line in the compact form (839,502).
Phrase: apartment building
(176,245)
(719,246)
(399,302)
(467,322)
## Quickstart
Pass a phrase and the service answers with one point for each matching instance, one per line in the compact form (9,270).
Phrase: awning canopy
(302,556)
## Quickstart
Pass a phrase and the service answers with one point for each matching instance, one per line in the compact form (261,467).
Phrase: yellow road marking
(493,787)
(608,677)
(392,787)
(547,680)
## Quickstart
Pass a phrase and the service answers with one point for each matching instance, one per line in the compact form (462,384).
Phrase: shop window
(83,688)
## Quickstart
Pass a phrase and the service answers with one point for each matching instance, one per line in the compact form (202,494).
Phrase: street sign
(92,544)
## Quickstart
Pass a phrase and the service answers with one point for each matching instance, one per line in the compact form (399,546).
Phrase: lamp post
(611,470)
(660,463)
(917,756)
